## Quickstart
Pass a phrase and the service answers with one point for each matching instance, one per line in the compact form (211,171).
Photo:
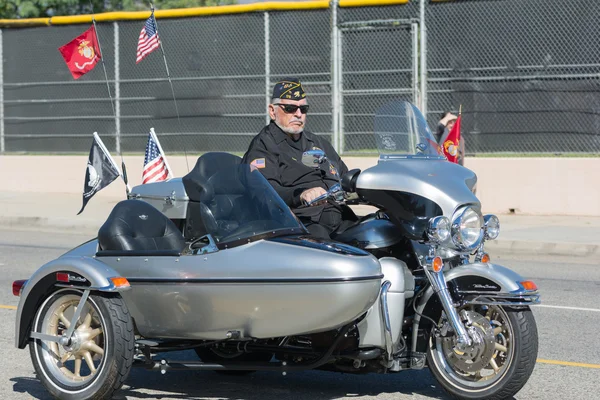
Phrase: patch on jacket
(332,170)
(259,163)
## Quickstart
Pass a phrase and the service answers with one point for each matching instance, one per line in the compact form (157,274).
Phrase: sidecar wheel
(98,360)
(495,368)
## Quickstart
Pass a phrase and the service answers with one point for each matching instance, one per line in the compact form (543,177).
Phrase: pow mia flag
(100,172)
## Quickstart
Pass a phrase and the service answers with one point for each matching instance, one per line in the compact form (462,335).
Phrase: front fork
(438,282)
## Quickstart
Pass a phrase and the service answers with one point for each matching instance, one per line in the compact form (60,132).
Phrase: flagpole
(112,103)
(169,78)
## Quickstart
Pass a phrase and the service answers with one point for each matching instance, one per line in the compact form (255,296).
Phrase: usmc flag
(451,143)
(82,53)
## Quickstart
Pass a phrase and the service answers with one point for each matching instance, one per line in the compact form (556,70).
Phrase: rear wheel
(97,359)
(500,361)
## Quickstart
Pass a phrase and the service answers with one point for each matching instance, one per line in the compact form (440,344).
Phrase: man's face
(450,124)
(291,123)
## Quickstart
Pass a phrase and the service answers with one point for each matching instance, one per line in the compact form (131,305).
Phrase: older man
(277,152)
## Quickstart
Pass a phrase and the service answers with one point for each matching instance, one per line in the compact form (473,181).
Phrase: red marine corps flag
(82,53)
(451,144)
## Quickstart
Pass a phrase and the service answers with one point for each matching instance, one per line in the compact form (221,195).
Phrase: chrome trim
(211,247)
(527,301)
(43,336)
(384,157)
(167,199)
(385,317)
(502,299)
(486,220)
(109,288)
(455,227)
(438,281)
(434,228)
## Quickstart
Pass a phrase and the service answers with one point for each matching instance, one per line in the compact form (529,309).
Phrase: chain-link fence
(524,72)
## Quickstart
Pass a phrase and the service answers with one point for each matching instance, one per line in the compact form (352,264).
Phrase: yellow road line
(568,363)
(8,307)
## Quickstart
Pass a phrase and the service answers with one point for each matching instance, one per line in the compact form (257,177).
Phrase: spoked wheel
(498,363)
(97,359)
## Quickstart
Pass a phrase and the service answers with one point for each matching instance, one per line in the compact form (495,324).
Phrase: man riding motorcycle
(277,152)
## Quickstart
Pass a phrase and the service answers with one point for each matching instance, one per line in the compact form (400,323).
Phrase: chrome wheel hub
(490,354)
(478,355)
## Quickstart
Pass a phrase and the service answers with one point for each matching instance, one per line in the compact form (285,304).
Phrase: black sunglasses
(291,109)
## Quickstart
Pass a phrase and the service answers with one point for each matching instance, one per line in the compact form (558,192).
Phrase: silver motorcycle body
(216,262)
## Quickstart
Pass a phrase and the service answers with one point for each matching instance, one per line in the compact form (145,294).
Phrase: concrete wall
(533,186)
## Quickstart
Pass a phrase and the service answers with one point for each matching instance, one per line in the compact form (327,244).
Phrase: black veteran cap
(288,88)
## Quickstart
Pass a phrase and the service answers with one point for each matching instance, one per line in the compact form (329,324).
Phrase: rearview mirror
(313,158)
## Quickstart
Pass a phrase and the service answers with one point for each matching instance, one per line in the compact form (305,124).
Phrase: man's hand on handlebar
(310,194)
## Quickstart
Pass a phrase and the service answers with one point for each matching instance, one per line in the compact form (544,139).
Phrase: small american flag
(155,166)
(148,40)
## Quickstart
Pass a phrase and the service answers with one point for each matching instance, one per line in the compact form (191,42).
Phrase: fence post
(1,96)
(423,49)
(335,79)
(117,90)
(414,30)
(267,66)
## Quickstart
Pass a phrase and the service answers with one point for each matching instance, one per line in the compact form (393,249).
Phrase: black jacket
(280,161)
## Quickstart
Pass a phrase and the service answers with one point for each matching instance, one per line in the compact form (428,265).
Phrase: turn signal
(529,285)
(485,258)
(437,265)
(120,282)
(17,287)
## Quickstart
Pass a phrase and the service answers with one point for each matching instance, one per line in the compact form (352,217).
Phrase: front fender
(96,274)
(494,284)
(507,279)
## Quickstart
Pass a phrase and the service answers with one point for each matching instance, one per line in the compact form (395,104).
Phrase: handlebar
(335,192)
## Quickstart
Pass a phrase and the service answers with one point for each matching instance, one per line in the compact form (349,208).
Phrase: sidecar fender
(488,283)
(83,273)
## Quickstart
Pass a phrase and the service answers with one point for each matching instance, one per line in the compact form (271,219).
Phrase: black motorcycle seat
(136,226)
(204,184)
(196,181)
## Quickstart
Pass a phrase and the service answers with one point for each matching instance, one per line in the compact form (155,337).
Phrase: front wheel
(97,359)
(500,361)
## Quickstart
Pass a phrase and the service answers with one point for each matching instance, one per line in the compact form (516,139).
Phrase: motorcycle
(216,262)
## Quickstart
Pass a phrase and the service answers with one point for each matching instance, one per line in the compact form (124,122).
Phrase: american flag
(148,40)
(155,167)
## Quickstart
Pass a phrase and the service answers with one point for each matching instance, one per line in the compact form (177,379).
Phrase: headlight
(466,229)
(439,229)
(491,226)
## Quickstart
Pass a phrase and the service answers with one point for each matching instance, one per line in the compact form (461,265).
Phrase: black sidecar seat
(200,189)
(135,227)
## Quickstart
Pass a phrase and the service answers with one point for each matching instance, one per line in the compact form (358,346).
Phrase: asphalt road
(568,321)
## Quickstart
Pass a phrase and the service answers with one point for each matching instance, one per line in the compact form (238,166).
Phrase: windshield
(240,204)
(401,130)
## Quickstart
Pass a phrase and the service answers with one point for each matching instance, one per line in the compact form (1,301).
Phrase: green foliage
(13,9)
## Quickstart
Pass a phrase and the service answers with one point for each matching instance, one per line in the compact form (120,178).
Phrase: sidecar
(218,257)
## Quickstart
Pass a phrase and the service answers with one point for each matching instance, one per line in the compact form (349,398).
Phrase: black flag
(100,172)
